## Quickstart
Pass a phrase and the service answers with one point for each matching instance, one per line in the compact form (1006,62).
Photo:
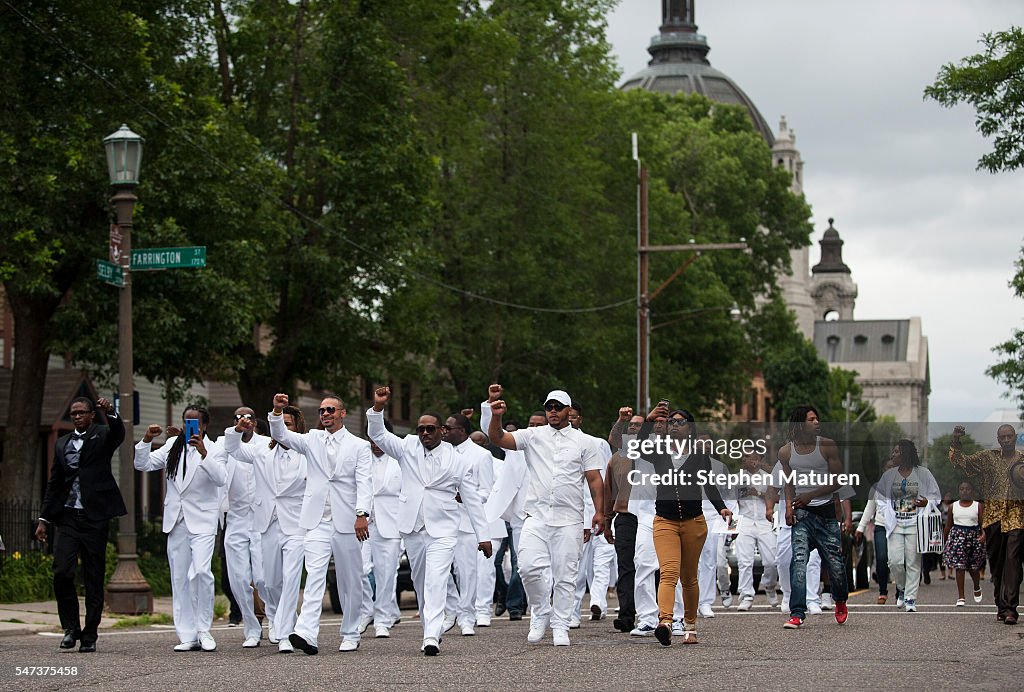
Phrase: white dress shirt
(556,460)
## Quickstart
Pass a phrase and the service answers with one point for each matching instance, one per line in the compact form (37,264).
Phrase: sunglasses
(327,409)
(426,429)
(240,416)
(554,406)
(678,421)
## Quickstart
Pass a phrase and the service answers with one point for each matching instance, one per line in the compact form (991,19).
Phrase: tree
(842,382)
(990,81)
(796,376)
(948,476)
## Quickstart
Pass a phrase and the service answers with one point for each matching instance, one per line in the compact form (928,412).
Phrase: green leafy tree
(796,376)
(842,381)
(990,81)
(948,476)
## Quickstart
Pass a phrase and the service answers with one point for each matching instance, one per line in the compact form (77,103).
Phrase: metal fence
(18,520)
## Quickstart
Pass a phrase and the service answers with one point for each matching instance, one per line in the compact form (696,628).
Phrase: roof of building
(863,341)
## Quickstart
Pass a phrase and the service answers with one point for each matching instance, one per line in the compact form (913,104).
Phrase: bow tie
(79,436)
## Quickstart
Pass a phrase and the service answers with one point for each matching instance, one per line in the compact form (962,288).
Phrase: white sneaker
(705,611)
(483,620)
(348,645)
(826,601)
(960,603)
(206,642)
(468,631)
(642,631)
(727,599)
(911,605)
(538,626)
(784,606)
(285,647)
(574,622)
(449,622)
(431,647)
(364,622)
(272,639)
(251,643)
(773,598)
(381,632)
(560,637)
(187,646)
(677,628)
(745,604)
(899,599)
(813,609)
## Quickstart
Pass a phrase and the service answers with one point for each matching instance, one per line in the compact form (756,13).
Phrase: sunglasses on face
(426,429)
(553,406)
(678,421)
(327,409)
(240,416)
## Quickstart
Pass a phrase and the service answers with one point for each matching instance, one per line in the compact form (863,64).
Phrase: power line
(55,40)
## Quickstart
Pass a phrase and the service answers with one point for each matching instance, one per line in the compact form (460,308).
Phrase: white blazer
(433,492)
(929,489)
(349,485)
(196,496)
(508,498)
(286,500)
(387,488)
(482,466)
(239,492)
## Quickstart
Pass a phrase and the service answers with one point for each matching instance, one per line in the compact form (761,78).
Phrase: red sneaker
(841,612)
(794,623)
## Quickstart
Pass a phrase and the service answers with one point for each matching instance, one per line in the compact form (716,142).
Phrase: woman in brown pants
(679,526)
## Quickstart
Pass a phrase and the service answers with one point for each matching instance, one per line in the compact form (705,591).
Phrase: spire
(831,253)
(678,41)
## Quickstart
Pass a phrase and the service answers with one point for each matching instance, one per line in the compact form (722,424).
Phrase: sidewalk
(29,618)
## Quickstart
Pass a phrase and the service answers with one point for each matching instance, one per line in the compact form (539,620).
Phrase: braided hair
(178,446)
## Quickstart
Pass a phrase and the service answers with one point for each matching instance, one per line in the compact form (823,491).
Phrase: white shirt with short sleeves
(556,460)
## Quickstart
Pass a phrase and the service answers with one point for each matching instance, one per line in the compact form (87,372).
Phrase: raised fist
(494,392)
(498,407)
(153,431)
(625,413)
(958,432)
(280,401)
(105,404)
(467,412)
(381,395)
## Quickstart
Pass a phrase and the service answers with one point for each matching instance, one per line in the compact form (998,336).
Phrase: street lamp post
(127,591)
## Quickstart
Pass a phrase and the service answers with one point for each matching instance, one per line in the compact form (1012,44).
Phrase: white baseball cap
(559,396)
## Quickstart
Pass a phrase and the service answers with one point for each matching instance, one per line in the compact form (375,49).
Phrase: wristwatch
(361,513)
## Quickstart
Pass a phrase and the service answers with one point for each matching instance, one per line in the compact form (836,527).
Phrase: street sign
(115,243)
(146,259)
(110,273)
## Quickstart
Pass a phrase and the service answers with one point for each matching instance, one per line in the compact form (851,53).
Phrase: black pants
(78,537)
(625,547)
(1005,553)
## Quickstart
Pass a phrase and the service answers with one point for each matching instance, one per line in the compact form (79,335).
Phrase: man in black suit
(81,499)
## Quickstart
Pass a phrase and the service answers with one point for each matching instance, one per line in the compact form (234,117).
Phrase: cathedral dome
(679,64)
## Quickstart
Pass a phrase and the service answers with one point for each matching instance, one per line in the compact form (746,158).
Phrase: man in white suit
(335,513)
(385,544)
(558,458)
(195,477)
(433,473)
(497,532)
(280,475)
(461,601)
(242,548)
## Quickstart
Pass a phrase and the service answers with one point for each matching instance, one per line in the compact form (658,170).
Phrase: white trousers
(904,560)
(319,544)
(760,535)
(550,550)
(713,565)
(244,556)
(645,588)
(381,556)
(460,597)
(430,560)
(189,556)
(595,570)
(486,578)
(783,558)
(282,574)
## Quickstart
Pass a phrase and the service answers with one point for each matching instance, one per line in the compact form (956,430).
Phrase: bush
(26,577)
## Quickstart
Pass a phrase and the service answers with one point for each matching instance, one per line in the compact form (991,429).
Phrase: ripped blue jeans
(814,531)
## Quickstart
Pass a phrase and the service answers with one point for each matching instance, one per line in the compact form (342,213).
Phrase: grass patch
(16,621)
(145,620)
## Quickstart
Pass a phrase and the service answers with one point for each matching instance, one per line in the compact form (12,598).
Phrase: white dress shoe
(705,611)
(251,643)
(206,642)
(468,631)
(381,632)
(364,622)
(483,621)
(348,645)
(431,647)
(560,637)
(813,609)
(449,622)
(574,622)
(285,647)
(188,646)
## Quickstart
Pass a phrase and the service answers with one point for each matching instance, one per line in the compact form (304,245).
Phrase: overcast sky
(925,233)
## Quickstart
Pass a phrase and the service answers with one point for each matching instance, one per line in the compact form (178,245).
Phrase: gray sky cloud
(926,234)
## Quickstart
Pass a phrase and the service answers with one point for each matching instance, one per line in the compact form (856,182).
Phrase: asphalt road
(879,647)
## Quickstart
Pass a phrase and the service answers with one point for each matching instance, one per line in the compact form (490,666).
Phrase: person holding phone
(195,477)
